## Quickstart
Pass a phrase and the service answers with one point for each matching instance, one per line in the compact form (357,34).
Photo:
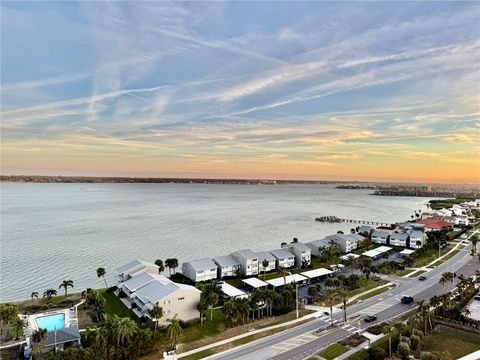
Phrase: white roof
(134,264)
(281,254)
(371,253)
(280,281)
(202,264)
(138,281)
(345,257)
(232,291)
(406,252)
(254,282)
(316,273)
(382,249)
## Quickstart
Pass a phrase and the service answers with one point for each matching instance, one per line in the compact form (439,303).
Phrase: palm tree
(350,262)
(366,266)
(324,255)
(315,292)
(343,294)
(66,284)
(161,267)
(284,272)
(33,295)
(447,277)
(39,335)
(174,331)
(49,293)
(171,263)
(212,300)
(16,328)
(230,310)
(331,295)
(157,314)
(8,313)
(202,304)
(101,274)
(474,241)
(265,264)
(389,331)
(124,330)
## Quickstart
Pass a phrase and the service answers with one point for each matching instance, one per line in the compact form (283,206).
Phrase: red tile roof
(434,223)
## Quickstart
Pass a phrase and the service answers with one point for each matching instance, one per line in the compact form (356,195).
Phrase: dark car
(370,318)
(422,278)
(407,300)
(477,297)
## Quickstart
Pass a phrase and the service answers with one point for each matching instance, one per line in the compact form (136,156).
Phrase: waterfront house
(284,258)
(135,267)
(316,245)
(417,239)
(399,239)
(303,254)
(365,230)
(346,242)
(200,270)
(248,262)
(272,261)
(434,224)
(380,237)
(227,266)
(142,291)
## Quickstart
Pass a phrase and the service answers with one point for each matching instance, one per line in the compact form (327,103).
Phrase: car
(422,278)
(476,297)
(406,300)
(370,318)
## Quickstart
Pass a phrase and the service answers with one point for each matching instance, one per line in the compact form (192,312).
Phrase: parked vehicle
(407,300)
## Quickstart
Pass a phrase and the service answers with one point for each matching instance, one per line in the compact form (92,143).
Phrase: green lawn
(430,255)
(113,306)
(418,273)
(374,293)
(458,343)
(333,351)
(200,355)
(209,328)
(404,272)
(367,284)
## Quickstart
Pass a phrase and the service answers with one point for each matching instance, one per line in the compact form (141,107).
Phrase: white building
(284,258)
(145,290)
(303,254)
(200,270)
(365,230)
(248,262)
(417,239)
(380,237)
(316,245)
(272,261)
(227,265)
(399,239)
(347,242)
(135,267)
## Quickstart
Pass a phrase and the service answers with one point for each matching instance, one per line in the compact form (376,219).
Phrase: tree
(295,240)
(157,314)
(474,241)
(447,277)
(366,266)
(331,295)
(39,335)
(389,331)
(171,263)
(315,292)
(161,267)
(212,300)
(351,262)
(174,331)
(101,274)
(124,330)
(33,295)
(8,313)
(403,350)
(49,293)
(265,264)
(343,294)
(16,328)
(66,284)
(201,307)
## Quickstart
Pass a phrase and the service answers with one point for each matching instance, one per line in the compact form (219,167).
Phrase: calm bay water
(51,232)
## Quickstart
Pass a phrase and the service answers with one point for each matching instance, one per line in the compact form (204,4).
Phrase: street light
(296,294)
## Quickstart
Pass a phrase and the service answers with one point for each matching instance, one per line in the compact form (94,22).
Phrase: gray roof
(202,264)
(155,291)
(61,336)
(282,253)
(416,233)
(318,243)
(300,246)
(356,237)
(380,233)
(138,281)
(399,236)
(227,260)
(366,228)
(245,253)
(134,264)
(262,255)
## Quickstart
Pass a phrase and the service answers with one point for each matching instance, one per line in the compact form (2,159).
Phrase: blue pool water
(51,322)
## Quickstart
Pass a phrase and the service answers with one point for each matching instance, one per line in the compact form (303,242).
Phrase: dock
(334,219)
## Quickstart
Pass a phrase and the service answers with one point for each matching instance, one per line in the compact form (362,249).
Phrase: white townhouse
(227,266)
(347,242)
(200,270)
(316,245)
(284,258)
(248,262)
(417,239)
(399,239)
(272,261)
(380,237)
(142,291)
(365,230)
(303,254)
(135,267)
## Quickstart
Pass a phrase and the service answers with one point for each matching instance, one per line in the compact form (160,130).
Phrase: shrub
(359,355)
(403,350)
(414,341)
(425,355)
(377,353)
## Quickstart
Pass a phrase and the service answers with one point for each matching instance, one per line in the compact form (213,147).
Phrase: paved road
(304,340)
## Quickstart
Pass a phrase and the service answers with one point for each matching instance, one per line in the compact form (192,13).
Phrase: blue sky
(313,90)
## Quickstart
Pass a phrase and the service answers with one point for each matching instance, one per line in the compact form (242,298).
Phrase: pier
(334,219)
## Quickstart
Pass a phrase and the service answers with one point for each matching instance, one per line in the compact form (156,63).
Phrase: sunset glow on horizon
(314,90)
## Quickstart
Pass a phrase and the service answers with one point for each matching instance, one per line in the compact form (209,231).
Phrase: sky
(375,91)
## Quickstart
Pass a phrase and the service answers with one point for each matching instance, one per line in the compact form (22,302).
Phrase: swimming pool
(51,322)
